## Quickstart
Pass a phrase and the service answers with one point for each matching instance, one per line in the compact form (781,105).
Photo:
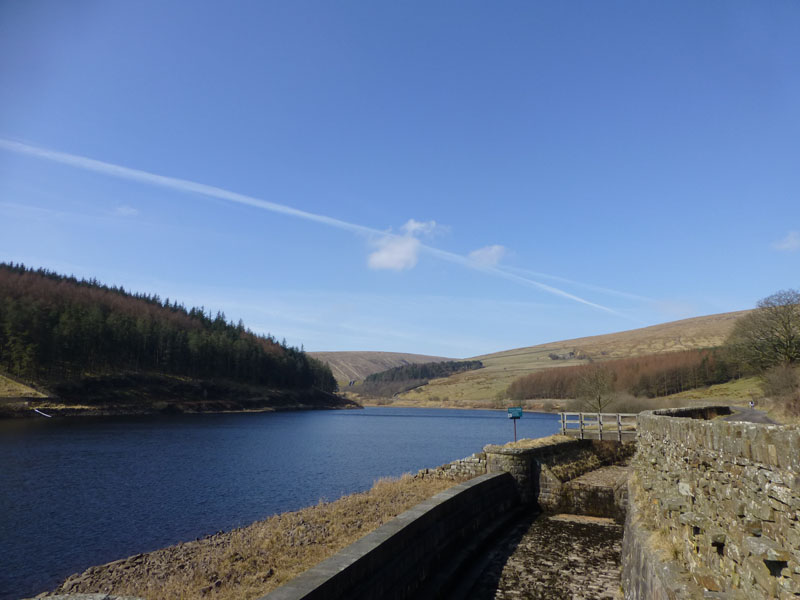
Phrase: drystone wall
(551,474)
(543,473)
(714,509)
(471,466)
(419,554)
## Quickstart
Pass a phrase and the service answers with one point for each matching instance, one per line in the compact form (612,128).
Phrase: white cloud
(401,252)
(396,253)
(791,243)
(488,256)
(413,227)
(126,211)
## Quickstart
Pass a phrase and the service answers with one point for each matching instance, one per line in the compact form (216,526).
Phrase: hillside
(348,366)
(108,350)
(501,368)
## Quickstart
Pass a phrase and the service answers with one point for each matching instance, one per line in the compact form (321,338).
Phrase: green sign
(515,412)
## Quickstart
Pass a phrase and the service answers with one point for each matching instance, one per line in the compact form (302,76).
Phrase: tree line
(431,370)
(56,328)
(397,380)
(652,376)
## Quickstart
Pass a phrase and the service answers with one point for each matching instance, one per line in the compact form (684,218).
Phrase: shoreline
(26,408)
(527,406)
(250,561)
(134,394)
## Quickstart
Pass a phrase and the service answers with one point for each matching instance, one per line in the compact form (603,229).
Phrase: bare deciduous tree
(595,388)
(770,335)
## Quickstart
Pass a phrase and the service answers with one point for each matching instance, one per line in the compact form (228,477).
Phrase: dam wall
(714,509)
(421,553)
(413,555)
(544,474)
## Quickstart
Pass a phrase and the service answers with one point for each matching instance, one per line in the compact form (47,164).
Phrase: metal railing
(603,426)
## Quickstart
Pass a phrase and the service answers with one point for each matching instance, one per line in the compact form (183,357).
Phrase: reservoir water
(79,492)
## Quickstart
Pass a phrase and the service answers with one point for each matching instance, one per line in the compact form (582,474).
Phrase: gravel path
(749,415)
(564,557)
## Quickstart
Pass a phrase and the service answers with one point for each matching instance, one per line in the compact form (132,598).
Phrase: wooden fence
(601,426)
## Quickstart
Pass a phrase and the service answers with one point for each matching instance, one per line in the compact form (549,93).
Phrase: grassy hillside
(13,389)
(501,368)
(348,366)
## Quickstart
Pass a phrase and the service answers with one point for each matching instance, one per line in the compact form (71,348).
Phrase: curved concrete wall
(415,554)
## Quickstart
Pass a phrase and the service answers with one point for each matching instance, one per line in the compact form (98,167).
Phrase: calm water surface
(74,493)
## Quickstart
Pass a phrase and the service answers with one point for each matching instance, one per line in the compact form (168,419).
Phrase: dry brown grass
(785,411)
(11,389)
(501,368)
(485,388)
(250,562)
(528,443)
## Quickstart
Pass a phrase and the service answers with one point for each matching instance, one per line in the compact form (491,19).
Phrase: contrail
(498,272)
(588,286)
(185,185)
(181,185)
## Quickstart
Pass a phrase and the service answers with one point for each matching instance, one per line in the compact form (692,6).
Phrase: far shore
(547,406)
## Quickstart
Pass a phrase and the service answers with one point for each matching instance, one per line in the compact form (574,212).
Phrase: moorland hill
(354,366)
(500,369)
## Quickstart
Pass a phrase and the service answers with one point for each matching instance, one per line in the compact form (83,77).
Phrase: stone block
(789,585)
(764,581)
(792,536)
(733,551)
(760,510)
(707,580)
(752,527)
(766,549)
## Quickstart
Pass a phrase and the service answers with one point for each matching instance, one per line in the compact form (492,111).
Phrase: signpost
(514,413)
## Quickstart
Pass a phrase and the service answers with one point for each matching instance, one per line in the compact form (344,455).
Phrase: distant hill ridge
(357,365)
(686,334)
(501,368)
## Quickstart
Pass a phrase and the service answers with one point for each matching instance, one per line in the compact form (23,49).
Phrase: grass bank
(250,562)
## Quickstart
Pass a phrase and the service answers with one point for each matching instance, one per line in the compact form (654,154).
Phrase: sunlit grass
(12,389)
(743,389)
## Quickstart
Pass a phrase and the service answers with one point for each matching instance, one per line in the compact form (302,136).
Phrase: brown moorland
(485,387)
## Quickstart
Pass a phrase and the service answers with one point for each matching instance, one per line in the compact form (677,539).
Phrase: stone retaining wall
(416,554)
(471,466)
(542,472)
(714,509)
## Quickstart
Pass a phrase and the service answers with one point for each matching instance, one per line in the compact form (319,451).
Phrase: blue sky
(449,178)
